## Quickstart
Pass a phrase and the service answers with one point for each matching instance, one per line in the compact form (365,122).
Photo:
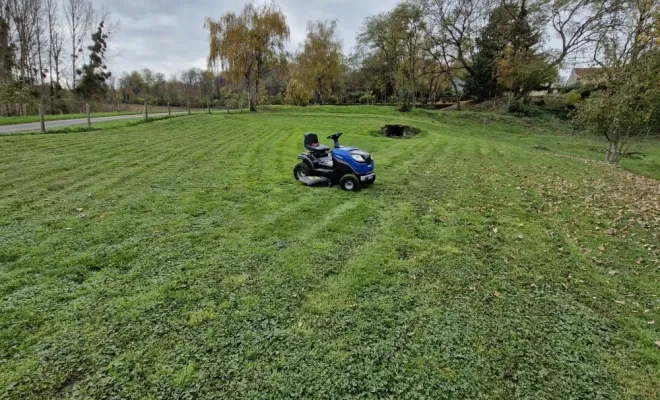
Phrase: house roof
(582,72)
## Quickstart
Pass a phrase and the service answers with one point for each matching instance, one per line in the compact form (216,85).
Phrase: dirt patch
(398,131)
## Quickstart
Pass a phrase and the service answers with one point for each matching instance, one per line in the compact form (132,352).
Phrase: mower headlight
(358,158)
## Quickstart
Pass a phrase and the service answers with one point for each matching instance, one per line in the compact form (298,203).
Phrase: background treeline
(45,46)
(425,50)
(420,52)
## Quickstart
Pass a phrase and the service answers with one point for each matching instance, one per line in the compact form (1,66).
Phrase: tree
(297,93)
(319,64)
(7,48)
(191,83)
(94,74)
(630,31)
(55,47)
(396,38)
(454,25)
(25,16)
(628,108)
(207,87)
(243,43)
(78,15)
(408,21)
(578,23)
(508,56)
(378,45)
(522,66)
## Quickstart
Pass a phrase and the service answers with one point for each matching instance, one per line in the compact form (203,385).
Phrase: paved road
(35,126)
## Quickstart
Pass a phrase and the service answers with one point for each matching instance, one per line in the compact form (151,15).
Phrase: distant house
(582,75)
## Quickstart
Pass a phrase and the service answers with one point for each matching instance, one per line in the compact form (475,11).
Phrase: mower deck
(315,180)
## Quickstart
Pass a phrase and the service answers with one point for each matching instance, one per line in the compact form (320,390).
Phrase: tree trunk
(50,59)
(457,95)
(188,107)
(73,61)
(251,104)
(608,151)
(208,104)
(146,112)
(169,110)
(41,66)
(614,151)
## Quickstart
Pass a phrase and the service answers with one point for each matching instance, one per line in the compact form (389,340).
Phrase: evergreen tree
(483,83)
(6,49)
(508,58)
(94,74)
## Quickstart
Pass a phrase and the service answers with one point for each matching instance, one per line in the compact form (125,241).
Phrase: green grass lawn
(180,259)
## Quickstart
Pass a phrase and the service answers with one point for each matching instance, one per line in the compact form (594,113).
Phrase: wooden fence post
(41,118)
(169,110)
(89,116)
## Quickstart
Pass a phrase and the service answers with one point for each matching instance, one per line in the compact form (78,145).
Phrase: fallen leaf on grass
(496,294)
(495,230)
(619,302)
(639,261)
(651,322)
(299,324)
(601,247)
(80,209)
(657,344)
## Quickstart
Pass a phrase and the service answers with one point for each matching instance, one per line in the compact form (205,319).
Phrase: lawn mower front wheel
(350,183)
(301,170)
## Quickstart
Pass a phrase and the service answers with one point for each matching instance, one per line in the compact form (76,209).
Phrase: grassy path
(180,259)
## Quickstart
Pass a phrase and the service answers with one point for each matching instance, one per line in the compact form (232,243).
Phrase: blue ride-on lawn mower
(350,167)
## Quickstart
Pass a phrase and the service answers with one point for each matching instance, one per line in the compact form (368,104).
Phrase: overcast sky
(168,35)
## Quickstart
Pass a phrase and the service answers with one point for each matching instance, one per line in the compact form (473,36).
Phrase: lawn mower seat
(312,144)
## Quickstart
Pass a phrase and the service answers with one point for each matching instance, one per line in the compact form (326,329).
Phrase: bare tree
(577,23)
(40,40)
(628,33)
(452,27)
(6,45)
(56,41)
(25,16)
(79,16)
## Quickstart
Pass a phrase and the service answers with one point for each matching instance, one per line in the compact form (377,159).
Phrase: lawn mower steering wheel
(335,138)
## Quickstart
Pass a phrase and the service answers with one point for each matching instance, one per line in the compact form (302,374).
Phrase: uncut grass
(198,266)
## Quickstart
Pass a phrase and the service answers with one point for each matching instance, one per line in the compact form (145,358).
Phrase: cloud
(168,35)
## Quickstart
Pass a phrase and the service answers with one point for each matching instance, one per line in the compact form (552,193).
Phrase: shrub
(406,103)
(297,93)
(573,97)
(232,104)
(556,101)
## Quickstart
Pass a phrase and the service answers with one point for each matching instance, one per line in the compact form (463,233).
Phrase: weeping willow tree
(243,44)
